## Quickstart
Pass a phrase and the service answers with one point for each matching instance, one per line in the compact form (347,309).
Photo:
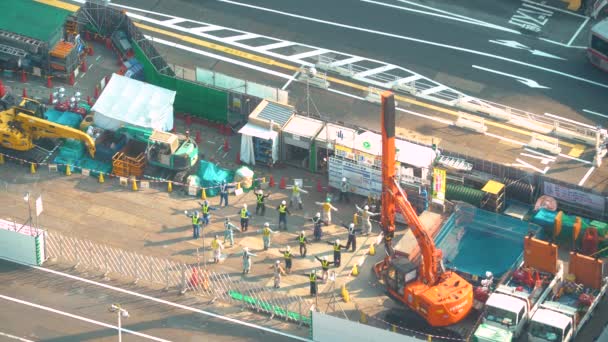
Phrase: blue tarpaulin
(211,176)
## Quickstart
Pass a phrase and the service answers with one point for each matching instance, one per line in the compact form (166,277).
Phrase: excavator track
(37,155)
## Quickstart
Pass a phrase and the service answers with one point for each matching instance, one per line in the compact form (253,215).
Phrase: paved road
(24,287)
(438,40)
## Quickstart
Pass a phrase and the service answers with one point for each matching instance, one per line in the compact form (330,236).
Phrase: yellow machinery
(20,126)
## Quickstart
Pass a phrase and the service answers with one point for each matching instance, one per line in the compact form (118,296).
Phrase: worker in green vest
(260,207)
(244,214)
(303,242)
(288,258)
(325,263)
(196,224)
(283,212)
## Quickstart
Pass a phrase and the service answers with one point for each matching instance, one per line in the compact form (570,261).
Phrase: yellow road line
(270,61)
(577,150)
(59,4)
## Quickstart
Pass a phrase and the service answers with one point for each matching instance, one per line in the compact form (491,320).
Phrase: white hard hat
(337,241)
(366,207)
(246,249)
(245,205)
(295,182)
(266,224)
(302,232)
(206,202)
(351,226)
(344,179)
(283,202)
(288,248)
(325,258)
(278,262)
(318,214)
(489,274)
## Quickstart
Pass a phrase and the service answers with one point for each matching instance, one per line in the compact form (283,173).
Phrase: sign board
(39,206)
(364,180)
(439,179)
(581,198)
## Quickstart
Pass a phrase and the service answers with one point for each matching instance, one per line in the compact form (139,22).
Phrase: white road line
(174,21)
(203,29)
(542,159)
(166,302)
(584,179)
(378,70)
(80,318)
(530,166)
(557,117)
(223,58)
(578,31)
(276,45)
(574,158)
(412,39)
(505,139)
(547,156)
(557,9)
(350,60)
(595,113)
(241,37)
(562,44)
(309,54)
(433,90)
(15,337)
(448,16)
(295,75)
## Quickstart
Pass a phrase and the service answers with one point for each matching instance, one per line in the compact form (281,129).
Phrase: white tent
(128,101)
(247,149)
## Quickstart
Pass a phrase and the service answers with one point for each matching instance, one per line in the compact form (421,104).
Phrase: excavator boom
(39,128)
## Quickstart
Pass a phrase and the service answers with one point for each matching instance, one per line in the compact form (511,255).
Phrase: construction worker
(344,189)
(205,208)
(327,208)
(283,212)
(278,271)
(196,224)
(224,193)
(337,252)
(366,216)
(288,258)
(266,231)
(303,242)
(229,231)
(244,214)
(295,195)
(312,278)
(247,260)
(324,267)
(217,247)
(352,237)
(260,207)
(318,231)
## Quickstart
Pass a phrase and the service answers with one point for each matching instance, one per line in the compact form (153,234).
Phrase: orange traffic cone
(71,80)
(282,183)
(319,186)
(49,82)
(23,76)
(271,182)
(24,92)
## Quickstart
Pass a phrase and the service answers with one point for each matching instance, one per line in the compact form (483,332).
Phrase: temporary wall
(195,99)
(326,328)
(20,243)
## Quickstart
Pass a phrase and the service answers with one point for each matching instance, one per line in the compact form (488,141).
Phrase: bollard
(23,76)
(203,194)
(68,172)
(24,93)
(345,295)
(283,183)
(355,271)
(96,95)
(363,318)
(169,186)
(83,66)
(372,250)
(226,144)
(134,185)
(394,328)
(101,179)
(355,219)
(271,183)
(319,186)
(49,82)
(429,338)
(238,185)
(1,158)
(51,98)
(90,50)
(71,79)
(32,168)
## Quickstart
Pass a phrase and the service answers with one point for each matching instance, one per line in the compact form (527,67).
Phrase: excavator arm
(393,197)
(40,128)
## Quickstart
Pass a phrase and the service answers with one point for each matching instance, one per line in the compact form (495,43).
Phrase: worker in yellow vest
(327,208)
(196,224)
(217,247)
(283,212)
(266,232)
(244,214)
(312,278)
(260,207)
(303,242)
(337,247)
(295,195)
(325,263)
(205,208)
(288,258)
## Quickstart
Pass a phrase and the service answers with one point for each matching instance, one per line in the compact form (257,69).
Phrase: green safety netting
(211,176)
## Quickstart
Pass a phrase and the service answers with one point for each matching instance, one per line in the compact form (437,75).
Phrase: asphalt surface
(437,40)
(22,284)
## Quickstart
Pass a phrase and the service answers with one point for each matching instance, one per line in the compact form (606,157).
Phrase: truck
(510,307)
(563,314)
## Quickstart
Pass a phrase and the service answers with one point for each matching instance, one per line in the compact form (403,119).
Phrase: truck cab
(504,312)
(549,325)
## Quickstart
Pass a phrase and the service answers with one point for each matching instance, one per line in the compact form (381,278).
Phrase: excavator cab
(32,107)
(399,272)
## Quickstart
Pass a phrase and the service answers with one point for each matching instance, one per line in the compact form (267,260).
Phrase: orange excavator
(441,297)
